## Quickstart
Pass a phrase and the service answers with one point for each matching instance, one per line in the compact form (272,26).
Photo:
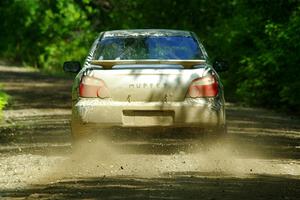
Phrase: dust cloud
(101,157)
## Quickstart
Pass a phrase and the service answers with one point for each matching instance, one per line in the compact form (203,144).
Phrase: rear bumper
(203,113)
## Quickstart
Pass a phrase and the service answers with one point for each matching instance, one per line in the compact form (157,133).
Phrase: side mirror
(220,66)
(72,66)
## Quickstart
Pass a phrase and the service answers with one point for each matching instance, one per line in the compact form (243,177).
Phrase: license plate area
(148,117)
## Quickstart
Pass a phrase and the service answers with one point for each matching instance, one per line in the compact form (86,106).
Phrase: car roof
(146,32)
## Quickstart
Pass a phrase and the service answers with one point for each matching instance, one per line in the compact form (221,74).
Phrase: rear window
(148,47)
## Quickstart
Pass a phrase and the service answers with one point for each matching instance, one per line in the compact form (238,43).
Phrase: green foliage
(269,75)
(259,38)
(44,33)
(3,100)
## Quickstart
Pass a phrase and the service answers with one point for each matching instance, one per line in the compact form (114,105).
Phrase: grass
(3,100)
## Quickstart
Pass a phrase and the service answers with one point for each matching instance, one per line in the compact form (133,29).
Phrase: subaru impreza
(147,78)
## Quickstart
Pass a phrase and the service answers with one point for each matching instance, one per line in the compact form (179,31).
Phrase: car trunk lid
(147,83)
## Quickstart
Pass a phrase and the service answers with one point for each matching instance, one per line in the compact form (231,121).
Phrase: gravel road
(260,158)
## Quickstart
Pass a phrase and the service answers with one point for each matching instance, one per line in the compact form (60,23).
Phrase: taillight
(92,87)
(204,87)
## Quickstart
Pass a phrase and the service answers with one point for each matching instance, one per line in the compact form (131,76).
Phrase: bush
(44,33)
(3,100)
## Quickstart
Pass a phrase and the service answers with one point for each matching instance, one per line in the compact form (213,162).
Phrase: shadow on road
(192,186)
(31,89)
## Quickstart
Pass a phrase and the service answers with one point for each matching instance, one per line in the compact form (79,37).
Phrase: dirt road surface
(260,158)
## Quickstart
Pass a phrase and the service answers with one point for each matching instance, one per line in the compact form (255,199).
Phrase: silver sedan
(147,78)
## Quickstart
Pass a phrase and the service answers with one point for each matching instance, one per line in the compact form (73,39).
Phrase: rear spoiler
(108,64)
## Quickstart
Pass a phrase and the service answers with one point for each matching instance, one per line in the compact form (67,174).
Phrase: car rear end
(147,92)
